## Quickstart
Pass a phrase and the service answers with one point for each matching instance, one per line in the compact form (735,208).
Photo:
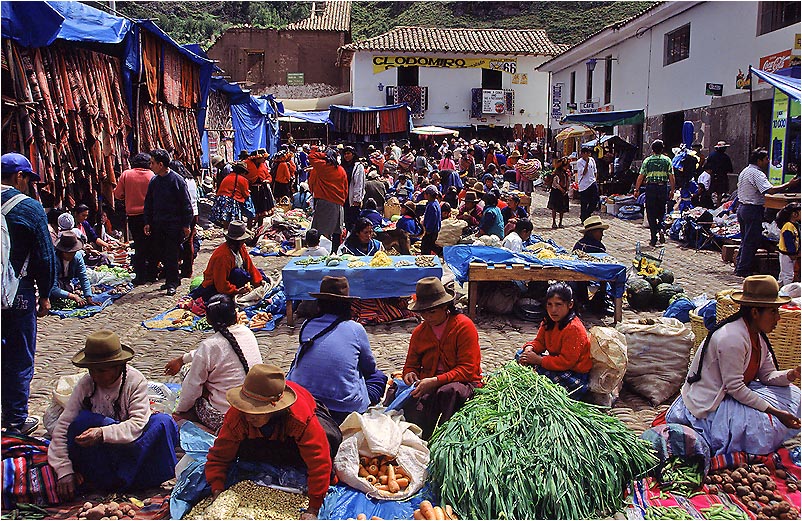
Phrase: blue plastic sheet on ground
(365,282)
(680,310)
(343,502)
(257,252)
(401,394)
(104,299)
(460,257)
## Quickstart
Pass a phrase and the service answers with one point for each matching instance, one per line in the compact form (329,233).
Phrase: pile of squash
(653,288)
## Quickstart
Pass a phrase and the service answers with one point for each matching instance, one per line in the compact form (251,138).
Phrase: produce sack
(61,395)
(376,433)
(658,357)
(450,232)
(608,348)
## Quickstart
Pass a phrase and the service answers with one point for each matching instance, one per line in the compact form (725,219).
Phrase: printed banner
(779,124)
(557,101)
(382,63)
(775,62)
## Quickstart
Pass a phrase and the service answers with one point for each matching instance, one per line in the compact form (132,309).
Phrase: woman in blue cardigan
(71,265)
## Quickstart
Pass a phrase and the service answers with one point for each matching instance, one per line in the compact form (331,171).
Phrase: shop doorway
(761,116)
(672,129)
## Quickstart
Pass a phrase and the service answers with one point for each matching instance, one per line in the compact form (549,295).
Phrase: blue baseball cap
(13,163)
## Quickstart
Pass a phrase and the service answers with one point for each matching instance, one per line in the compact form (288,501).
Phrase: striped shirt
(752,184)
(656,168)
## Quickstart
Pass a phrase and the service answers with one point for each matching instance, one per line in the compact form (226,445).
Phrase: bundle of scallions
(522,449)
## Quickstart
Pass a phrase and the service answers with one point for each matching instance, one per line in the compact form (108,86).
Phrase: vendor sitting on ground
(591,241)
(443,361)
(514,210)
(403,187)
(371,213)
(409,222)
(107,438)
(69,250)
(360,241)
(302,199)
(470,211)
(313,247)
(334,345)
(488,180)
(87,230)
(230,270)
(219,363)
(735,396)
(563,336)
(274,421)
(514,241)
(492,222)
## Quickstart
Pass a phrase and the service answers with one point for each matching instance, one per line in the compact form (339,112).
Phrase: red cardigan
(327,182)
(284,171)
(458,352)
(220,265)
(236,186)
(569,349)
(300,425)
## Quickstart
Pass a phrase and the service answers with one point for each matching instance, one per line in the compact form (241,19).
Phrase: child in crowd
(313,247)
(409,222)
(788,222)
(514,241)
(565,338)
(432,221)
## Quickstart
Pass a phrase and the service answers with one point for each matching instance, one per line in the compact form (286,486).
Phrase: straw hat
(333,288)
(429,293)
(264,391)
(721,144)
(760,291)
(594,222)
(515,153)
(69,242)
(217,160)
(102,348)
(238,231)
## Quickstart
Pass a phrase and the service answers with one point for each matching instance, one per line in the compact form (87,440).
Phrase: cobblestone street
(499,336)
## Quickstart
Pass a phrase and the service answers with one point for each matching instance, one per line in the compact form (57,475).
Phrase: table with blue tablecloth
(365,282)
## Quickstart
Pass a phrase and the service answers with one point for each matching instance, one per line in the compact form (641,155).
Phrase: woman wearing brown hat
(735,396)
(470,212)
(233,201)
(69,250)
(273,421)
(443,361)
(107,437)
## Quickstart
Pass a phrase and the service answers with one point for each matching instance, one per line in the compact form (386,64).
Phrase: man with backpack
(28,264)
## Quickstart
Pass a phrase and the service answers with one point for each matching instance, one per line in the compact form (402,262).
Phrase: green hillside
(202,22)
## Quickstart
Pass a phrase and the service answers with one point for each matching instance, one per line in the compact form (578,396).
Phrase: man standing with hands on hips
(588,188)
(656,170)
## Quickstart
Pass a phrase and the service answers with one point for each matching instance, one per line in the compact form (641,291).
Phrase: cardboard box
(728,252)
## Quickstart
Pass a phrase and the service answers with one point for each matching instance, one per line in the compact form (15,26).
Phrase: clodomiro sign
(382,63)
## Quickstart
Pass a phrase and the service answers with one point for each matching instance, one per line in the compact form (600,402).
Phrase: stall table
(364,282)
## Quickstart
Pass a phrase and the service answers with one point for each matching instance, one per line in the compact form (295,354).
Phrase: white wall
(723,40)
(452,87)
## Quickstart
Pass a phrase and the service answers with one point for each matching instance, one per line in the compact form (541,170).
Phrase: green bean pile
(655,512)
(723,512)
(522,449)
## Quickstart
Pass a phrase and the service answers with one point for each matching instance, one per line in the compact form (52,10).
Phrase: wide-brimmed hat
(429,293)
(239,166)
(410,207)
(470,197)
(102,348)
(238,231)
(761,291)
(721,144)
(333,288)
(594,222)
(69,242)
(515,153)
(264,391)
(216,160)
(243,155)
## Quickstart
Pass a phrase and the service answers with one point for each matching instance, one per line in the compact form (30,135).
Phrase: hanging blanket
(104,297)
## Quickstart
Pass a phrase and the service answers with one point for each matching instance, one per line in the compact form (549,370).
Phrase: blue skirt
(146,462)
(735,427)
(227,209)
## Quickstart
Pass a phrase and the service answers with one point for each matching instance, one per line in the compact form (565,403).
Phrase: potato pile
(427,511)
(111,510)
(384,474)
(756,488)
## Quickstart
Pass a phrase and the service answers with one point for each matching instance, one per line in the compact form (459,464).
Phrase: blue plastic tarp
(787,84)
(460,257)
(234,93)
(83,23)
(343,502)
(317,116)
(30,24)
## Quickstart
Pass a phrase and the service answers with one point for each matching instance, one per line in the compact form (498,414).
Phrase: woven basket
(699,331)
(391,208)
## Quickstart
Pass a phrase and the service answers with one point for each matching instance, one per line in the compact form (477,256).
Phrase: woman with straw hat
(274,421)
(107,437)
(735,396)
(443,361)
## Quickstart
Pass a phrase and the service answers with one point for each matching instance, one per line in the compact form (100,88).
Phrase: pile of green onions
(522,449)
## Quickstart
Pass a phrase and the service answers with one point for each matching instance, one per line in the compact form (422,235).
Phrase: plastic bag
(162,399)
(450,232)
(379,433)
(658,357)
(343,502)
(608,348)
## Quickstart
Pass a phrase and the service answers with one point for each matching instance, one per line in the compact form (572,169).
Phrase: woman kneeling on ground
(107,437)
(219,363)
(230,268)
(565,338)
(443,361)
(274,421)
(734,393)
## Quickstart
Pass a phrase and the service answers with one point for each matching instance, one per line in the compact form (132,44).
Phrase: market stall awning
(316,104)
(573,131)
(432,130)
(608,139)
(786,84)
(606,119)
(317,117)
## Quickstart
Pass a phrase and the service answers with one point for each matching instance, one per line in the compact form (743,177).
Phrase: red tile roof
(333,15)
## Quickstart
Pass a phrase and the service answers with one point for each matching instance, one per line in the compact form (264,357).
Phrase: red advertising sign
(775,62)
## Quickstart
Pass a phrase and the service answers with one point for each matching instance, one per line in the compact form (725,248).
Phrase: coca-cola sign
(775,62)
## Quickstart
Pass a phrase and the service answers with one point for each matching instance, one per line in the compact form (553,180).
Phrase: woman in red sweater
(233,201)
(230,267)
(443,361)
(565,338)
(276,422)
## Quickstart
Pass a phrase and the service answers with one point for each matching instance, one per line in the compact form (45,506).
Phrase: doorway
(672,129)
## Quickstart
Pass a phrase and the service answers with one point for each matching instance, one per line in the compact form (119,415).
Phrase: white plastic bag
(376,433)
(658,357)
(162,399)
(61,395)
(450,232)
(608,348)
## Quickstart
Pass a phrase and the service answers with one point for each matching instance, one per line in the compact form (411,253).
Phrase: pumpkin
(639,293)
(663,294)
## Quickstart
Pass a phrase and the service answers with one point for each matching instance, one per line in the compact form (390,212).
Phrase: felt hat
(264,391)
(410,207)
(721,144)
(594,222)
(760,291)
(239,166)
(69,242)
(333,288)
(102,348)
(217,160)
(243,155)
(238,231)
(14,162)
(470,197)
(515,153)
(429,293)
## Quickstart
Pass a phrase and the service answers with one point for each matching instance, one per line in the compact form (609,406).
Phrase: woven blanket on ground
(274,302)
(104,298)
(27,478)
(158,506)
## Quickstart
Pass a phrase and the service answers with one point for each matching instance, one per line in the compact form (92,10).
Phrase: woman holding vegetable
(563,335)
(734,394)
(443,361)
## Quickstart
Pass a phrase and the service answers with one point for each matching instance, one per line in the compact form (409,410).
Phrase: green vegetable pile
(522,449)
(655,512)
(681,477)
(723,512)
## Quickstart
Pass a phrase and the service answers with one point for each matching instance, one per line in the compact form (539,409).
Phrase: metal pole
(751,130)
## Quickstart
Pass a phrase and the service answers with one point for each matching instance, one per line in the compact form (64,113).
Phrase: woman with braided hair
(218,364)
(106,437)
(735,396)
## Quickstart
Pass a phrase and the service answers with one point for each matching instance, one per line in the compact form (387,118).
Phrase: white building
(441,73)
(662,60)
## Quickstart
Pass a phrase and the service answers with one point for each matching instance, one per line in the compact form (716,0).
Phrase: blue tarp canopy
(381,108)
(786,84)
(320,117)
(614,140)
(606,119)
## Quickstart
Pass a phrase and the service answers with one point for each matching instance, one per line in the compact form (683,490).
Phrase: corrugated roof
(466,41)
(334,15)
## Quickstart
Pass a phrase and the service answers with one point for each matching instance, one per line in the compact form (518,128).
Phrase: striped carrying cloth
(27,478)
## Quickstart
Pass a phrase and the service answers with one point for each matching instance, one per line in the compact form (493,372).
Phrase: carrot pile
(427,511)
(383,473)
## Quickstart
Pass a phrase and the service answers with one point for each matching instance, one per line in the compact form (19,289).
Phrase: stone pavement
(59,339)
